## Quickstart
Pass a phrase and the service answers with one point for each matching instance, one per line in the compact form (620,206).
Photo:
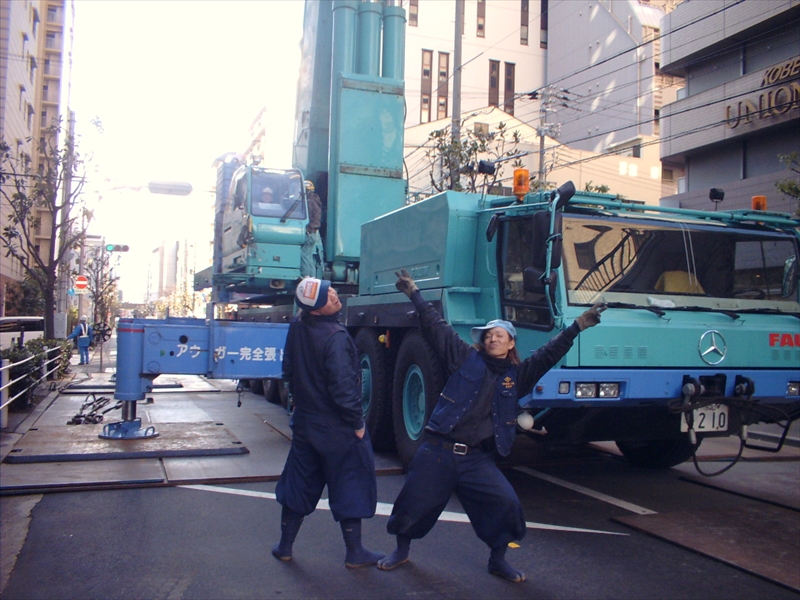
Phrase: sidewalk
(203,436)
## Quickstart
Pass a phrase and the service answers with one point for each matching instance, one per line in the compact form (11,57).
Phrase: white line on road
(639,510)
(384,509)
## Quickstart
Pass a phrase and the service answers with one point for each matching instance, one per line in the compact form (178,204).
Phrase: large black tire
(275,392)
(658,454)
(418,380)
(257,386)
(375,389)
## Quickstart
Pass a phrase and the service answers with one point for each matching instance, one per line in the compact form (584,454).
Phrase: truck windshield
(277,194)
(672,264)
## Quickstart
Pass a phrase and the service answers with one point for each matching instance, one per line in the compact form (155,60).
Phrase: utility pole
(456,128)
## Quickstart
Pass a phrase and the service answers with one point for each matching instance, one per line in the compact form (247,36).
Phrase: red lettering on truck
(792,340)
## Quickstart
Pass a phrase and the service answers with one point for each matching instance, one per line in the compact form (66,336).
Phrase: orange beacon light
(522,183)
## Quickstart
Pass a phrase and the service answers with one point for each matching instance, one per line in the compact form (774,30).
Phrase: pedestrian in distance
(82,334)
(330,443)
(474,419)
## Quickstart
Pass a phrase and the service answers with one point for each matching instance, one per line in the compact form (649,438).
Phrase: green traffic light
(117,248)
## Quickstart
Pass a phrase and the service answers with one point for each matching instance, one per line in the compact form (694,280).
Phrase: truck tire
(276,392)
(257,386)
(418,379)
(658,454)
(375,391)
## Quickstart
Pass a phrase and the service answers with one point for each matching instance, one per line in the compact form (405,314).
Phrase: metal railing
(7,365)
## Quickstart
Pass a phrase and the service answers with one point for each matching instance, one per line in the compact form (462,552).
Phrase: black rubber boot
(500,567)
(357,555)
(290,525)
(398,557)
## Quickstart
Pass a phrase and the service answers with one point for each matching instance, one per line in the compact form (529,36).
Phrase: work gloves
(405,283)
(591,317)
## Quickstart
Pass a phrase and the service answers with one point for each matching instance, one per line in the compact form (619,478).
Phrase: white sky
(175,84)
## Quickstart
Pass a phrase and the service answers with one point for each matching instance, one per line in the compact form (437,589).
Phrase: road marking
(639,510)
(384,509)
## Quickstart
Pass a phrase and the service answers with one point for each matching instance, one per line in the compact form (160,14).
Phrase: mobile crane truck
(702,333)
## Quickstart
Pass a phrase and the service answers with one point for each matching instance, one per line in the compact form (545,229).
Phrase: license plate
(713,417)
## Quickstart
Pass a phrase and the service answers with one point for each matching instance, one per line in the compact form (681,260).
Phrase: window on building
(413,13)
(45,93)
(426,86)
(543,25)
(656,122)
(34,21)
(21,96)
(24,44)
(47,66)
(441,110)
(30,117)
(51,41)
(508,89)
(481,31)
(443,88)
(44,118)
(524,19)
(32,67)
(425,109)
(494,82)
(52,14)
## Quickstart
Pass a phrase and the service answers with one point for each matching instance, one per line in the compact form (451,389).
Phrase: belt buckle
(460,449)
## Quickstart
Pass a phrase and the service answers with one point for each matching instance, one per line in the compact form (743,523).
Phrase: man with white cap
(474,418)
(330,443)
(82,334)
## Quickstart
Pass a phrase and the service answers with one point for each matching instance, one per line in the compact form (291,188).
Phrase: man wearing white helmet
(83,335)
(475,418)
(330,443)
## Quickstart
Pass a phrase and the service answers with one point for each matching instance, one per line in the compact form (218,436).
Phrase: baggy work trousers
(487,497)
(324,453)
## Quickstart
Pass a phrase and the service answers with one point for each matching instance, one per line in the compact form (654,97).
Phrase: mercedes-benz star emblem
(712,347)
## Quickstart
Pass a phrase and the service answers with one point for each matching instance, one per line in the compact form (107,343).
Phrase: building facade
(503,57)
(740,108)
(33,39)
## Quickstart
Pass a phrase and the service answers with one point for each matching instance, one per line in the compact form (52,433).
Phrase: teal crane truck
(702,333)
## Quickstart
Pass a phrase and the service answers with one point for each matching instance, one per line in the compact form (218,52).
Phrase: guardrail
(5,384)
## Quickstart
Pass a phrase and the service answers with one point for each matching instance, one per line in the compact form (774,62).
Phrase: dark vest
(462,389)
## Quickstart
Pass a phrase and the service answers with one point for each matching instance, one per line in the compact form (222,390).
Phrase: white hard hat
(83,317)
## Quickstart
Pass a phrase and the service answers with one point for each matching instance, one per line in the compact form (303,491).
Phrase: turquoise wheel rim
(366,383)
(414,402)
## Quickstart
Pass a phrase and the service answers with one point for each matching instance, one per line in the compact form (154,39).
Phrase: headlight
(609,390)
(563,387)
(793,388)
(586,390)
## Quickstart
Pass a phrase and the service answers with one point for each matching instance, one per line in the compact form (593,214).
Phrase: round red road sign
(81,283)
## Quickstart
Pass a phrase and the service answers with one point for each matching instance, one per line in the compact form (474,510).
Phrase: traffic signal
(117,248)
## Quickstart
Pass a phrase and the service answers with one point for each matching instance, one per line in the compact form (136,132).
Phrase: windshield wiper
(729,313)
(652,309)
(291,210)
(768,311)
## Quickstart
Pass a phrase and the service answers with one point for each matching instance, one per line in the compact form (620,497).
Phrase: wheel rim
(414,402)
(366,383)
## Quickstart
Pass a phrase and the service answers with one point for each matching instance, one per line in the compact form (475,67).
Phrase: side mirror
(565,193)
(533,282)
(790,277)
(491,228)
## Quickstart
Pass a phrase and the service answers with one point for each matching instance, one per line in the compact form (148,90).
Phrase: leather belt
(454,447)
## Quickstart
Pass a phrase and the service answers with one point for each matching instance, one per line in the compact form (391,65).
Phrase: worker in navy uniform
(82,334)
(474,419)
(312,254)
(330,443)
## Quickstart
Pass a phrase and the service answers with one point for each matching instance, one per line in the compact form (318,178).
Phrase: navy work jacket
(466,370)
(320,364)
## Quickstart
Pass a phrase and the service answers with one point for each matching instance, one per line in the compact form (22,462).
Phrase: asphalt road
(214,542)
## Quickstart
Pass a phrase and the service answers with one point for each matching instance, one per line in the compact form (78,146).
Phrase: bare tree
(41,206)
(463,155)
(102,283)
